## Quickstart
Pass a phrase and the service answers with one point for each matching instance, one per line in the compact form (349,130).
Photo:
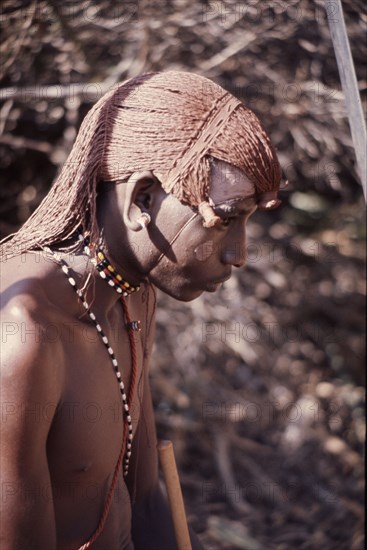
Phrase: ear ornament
(144,220)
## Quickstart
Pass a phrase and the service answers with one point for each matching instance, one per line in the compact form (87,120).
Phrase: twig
(4,113)
(19,40)
(225,470)
(228,52)
(27,143)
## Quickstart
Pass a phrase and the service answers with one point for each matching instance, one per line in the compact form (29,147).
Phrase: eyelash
(229,219)
(226,221)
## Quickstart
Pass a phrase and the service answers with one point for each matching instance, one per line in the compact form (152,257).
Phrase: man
(164,174)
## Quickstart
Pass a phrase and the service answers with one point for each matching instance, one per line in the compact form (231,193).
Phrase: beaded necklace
(107,271)
(131,327)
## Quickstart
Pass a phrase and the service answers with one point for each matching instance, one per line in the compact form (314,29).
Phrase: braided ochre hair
(170,123)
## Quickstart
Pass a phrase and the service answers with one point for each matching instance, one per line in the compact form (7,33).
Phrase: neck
(100,296)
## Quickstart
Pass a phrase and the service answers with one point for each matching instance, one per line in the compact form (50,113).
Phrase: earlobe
(137,200)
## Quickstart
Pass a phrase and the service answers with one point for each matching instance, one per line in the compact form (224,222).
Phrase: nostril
(239,262)
(233,259)
(235,255)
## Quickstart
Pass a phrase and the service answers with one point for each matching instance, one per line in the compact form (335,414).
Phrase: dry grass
(261,386)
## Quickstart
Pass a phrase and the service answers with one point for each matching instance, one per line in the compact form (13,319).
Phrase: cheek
(204,251)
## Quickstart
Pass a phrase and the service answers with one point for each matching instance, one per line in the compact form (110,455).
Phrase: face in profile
(200,259)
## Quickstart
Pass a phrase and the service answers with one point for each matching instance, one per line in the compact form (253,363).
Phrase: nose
(234,250)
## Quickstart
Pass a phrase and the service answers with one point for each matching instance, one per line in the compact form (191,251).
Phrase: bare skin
(61,416)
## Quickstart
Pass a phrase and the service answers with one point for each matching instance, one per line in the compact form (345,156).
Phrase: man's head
(170,123)
(175,251)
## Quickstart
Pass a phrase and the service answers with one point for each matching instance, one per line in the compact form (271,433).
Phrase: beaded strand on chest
(134,325)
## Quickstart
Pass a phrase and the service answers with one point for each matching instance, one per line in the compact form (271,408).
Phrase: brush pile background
(260,386)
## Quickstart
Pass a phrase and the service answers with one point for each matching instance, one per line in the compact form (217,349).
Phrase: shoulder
(30,361)
(27,285)
(23,297)
(24,274)
(32,383)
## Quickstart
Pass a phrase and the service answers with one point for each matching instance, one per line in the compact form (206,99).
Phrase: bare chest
(87,431)
(86,437)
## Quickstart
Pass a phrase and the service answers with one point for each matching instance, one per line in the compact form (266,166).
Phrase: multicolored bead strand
(132,325)
(107,271)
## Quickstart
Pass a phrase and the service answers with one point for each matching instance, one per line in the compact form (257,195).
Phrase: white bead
(65,269)
(111,283)
(114,362)
(110,351)
(92,316)
(118,289)
(99,328)
(118,374)
(102,274)
(129,418)
(72,281)
(105,339)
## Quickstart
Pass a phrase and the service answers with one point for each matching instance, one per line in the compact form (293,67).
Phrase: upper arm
(30,381)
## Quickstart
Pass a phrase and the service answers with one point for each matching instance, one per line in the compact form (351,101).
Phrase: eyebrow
(236,207)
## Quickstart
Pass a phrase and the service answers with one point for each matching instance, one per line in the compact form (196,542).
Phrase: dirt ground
(261,385)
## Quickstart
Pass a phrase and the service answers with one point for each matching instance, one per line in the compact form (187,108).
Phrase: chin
(182,294)
(190,298)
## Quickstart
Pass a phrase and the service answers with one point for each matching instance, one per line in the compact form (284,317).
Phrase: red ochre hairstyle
(171,123)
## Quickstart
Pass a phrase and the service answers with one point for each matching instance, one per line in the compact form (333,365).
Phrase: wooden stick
(170,474)
(339,36)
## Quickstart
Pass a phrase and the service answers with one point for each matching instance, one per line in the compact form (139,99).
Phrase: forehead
(228,183)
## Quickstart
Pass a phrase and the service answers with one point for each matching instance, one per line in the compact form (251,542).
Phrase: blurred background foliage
(260,386)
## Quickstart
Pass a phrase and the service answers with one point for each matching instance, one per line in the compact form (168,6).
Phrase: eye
(226,221)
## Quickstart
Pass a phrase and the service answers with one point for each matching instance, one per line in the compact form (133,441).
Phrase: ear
(138,198)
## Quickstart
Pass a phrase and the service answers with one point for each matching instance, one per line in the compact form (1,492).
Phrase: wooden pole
(170,474)
(339,36)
